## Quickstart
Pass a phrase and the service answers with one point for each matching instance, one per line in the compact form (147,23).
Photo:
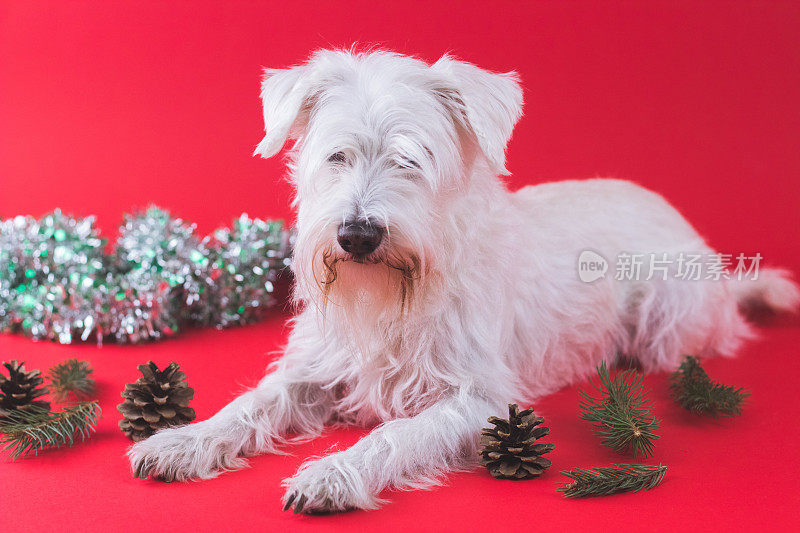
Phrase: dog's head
(384,146)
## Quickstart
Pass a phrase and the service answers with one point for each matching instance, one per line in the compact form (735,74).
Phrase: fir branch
(621,414)
(695,391)
(30,431)
(603,481)
(72,376)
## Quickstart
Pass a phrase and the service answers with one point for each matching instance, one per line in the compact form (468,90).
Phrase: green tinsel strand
(247,261)
(41,264)
(56,282)
(154,249)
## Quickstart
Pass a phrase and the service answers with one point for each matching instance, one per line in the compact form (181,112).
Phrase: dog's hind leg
(673,318)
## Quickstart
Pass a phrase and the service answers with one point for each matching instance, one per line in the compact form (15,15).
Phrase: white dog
(430,296)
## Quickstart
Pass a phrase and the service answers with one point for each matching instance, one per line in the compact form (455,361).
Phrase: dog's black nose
(359,238)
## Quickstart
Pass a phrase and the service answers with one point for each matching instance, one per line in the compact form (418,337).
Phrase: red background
(105,107)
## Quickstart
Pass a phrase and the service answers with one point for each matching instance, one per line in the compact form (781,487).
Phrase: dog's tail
(774,289)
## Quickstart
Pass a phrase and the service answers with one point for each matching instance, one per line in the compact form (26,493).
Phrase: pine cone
(157,400)
(19,390)
(510,450)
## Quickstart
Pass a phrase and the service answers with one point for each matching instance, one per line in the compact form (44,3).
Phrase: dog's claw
(142,470)
(301,501)
(147,467)
(289,501)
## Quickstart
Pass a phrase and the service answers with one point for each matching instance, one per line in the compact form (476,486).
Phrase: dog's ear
(285,97)
(491,104)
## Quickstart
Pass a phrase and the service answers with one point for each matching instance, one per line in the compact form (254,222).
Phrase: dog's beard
(364,301)
(381,286)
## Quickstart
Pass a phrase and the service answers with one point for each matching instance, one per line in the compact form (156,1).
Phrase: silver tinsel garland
(57,283)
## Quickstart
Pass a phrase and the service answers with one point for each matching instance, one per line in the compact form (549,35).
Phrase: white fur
(493,311)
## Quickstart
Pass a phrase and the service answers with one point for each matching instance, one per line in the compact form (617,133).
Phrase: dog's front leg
(405,453)
(255,422)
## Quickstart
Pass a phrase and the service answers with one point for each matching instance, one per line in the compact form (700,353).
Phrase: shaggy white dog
(430,296)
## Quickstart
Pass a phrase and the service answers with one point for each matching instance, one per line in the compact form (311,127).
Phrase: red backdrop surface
(106,107)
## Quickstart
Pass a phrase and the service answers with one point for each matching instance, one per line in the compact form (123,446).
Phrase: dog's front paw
(182,453)
(328,485)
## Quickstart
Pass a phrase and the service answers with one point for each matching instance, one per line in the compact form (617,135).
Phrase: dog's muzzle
(359,238)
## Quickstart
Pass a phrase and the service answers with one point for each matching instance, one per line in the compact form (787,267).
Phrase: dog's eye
(409,164)
(339,158)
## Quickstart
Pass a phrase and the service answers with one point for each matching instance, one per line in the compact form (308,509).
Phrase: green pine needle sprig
(622,413)
(72,377)
(603,481)
(695,391)
(26,431)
